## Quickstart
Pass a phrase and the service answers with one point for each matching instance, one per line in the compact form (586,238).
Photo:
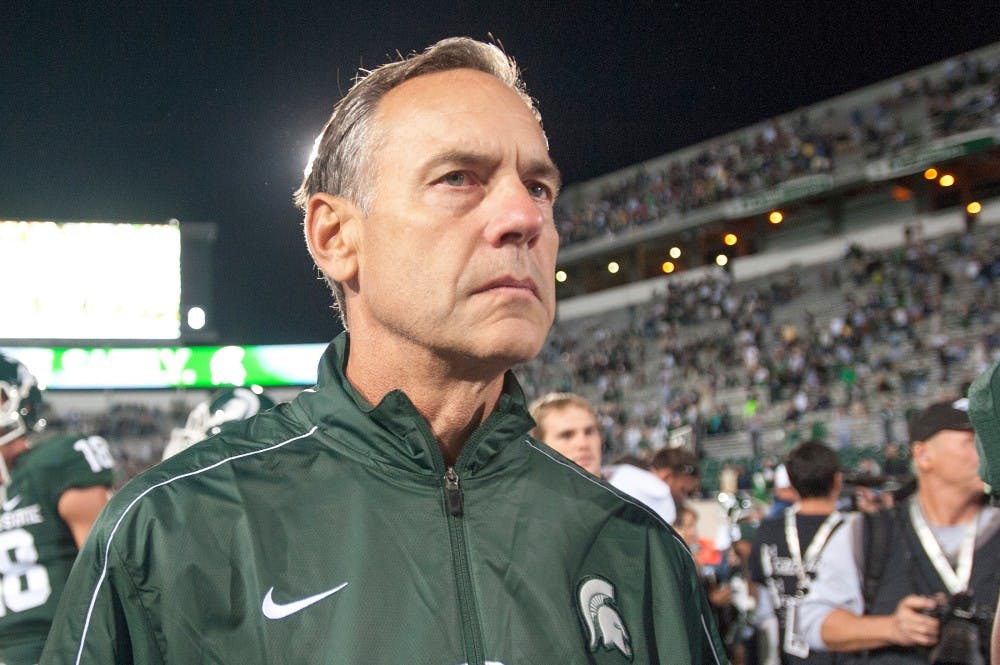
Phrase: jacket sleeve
(100,618)
(684,627)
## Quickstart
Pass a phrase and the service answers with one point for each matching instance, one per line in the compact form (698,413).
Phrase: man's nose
(517,216)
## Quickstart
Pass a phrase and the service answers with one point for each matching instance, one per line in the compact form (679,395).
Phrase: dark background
(208,114)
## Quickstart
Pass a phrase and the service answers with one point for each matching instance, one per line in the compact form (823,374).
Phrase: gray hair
(342,161)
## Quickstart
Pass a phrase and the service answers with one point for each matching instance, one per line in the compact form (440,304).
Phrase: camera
(964,631)
(865,493)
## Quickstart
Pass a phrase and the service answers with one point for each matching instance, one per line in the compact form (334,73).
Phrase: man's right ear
(332,234)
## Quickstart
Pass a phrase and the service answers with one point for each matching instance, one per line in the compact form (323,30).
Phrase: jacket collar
(393,432)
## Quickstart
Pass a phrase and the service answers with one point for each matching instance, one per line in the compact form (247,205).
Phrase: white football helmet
(20,401)
(207,418)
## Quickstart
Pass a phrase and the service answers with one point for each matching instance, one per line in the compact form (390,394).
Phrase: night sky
(208,114)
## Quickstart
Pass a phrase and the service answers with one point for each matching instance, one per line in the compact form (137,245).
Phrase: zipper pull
(453,492)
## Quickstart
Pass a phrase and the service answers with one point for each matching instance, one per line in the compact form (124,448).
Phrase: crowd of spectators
(963,97)
(841,352)
(137,432)
(745,360)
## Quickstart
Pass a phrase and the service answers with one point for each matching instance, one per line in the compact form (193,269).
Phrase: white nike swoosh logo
(273,610)
(11,504)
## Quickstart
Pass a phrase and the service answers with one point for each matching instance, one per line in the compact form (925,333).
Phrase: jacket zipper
(471,634)
(454,492)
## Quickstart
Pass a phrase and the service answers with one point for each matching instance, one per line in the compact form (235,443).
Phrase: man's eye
(456,179)
(539,191)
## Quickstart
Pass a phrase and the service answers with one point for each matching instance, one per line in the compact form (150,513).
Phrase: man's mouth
(511,283)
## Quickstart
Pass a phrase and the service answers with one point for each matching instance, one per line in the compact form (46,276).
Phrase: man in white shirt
(672,478)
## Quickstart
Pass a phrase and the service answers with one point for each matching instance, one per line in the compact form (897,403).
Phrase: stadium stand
(836,137)
(831,331)
(839,351)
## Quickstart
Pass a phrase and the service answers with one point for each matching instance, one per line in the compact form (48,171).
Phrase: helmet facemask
(12,424)
(20,401)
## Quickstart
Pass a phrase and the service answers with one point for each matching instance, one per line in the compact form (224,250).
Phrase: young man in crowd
(567,423)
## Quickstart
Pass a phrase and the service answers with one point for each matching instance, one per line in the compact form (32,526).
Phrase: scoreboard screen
(104,368)
(91,280)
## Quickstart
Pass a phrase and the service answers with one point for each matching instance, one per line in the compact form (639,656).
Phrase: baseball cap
(940,416)
(984,411)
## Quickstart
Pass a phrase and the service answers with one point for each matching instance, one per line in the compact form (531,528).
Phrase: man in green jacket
(399,512)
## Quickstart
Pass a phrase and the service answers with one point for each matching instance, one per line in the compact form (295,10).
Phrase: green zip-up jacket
(329,531)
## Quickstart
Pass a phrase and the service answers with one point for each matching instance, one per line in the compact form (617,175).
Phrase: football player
(52,491)
(208,417)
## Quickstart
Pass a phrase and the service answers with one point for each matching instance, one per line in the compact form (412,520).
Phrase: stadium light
(931,174)
(974,208)
(668,267)
(730,239)
(776,217)
(613,267)
(560,276)
(196,318)
(947,180)
(675,252)
(721,260)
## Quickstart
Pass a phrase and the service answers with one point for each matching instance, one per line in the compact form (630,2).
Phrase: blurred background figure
(787,548)
(633,476)
(208,417)
(664,483)
(52,491)
(784,494)
(984,412)
(678,468)
(567,423)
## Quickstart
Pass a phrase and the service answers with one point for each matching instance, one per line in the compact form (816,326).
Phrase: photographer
(891,587)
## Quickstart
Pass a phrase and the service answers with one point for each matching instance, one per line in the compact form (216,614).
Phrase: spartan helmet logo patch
(604,625)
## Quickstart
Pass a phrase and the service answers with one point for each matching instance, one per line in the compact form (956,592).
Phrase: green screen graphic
(171,367)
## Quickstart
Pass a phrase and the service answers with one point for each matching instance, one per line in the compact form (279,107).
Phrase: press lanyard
(794,643)
(815,547)
(955,579)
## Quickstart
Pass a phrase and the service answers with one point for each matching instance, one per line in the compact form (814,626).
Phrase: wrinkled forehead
(456,100)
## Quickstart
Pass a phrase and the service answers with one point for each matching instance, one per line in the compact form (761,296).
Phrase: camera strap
(794,643)
(955,579)
(803,566)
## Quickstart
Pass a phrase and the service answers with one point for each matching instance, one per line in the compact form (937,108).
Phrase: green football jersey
(37,549)
(329,531)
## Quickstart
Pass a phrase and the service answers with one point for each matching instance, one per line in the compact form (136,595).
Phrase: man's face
(572,431)
(457,254)
(683,485)
(687,486)
(953,459)
(687,528)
